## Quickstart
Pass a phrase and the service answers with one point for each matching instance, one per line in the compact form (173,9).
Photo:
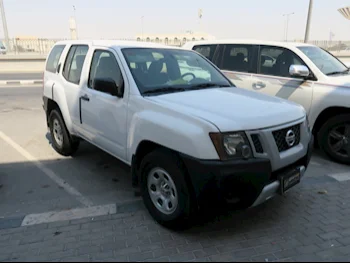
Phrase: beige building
(173,39)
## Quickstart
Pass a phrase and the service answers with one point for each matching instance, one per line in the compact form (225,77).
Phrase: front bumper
(252,182)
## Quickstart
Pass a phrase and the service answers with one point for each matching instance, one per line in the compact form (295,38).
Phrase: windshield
(171,70)
(326,62)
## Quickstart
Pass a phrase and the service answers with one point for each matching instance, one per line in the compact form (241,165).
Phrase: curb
(20,82)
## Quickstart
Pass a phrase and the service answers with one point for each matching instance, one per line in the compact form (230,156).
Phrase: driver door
(104,116)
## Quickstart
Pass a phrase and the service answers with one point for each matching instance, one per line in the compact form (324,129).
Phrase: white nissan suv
(302,73)
(188,134)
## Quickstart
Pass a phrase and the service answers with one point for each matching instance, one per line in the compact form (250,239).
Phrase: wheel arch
(325,115)
(145,147)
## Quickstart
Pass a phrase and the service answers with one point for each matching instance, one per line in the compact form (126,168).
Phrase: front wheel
(334,138)
(165,191)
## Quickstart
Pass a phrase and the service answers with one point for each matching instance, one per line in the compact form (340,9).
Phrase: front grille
(257,143)
(280,137)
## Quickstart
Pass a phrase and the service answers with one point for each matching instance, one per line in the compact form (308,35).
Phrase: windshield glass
(326,62)
(171,70)
(1,45)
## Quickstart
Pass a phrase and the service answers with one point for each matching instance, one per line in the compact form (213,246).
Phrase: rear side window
(206,50)
(54,58)
(74,63)
(238,58)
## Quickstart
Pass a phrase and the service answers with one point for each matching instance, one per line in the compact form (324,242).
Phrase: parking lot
(84,208)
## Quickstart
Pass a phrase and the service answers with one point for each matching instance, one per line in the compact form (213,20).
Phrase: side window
(104,66)
(54,58)
(74,63)
(238,58)
(206,50)
(276,61)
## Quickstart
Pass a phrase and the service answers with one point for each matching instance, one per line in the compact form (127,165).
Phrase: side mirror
(299,71)
(107,85)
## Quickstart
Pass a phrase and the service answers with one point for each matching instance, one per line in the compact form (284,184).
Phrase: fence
(330,45)
(43,46)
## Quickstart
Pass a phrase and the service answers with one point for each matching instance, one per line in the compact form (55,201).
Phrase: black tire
(69,146)
(324,133)
(170,162)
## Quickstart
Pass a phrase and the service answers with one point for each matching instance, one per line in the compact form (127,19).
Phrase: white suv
(187,133)
(3,49)
(305,74)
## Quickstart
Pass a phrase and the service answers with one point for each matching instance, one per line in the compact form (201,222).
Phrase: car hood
(232,109)
(341,80)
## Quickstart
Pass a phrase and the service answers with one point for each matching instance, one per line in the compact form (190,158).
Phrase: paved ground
(312,223)
(305,226)
(21,76)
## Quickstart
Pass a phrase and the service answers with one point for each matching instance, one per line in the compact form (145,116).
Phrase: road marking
(341,177)
(71,214)
(58,180)
(20,82)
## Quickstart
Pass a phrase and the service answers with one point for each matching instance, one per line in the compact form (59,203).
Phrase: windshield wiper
(208,85)
(338,72)
(164,90)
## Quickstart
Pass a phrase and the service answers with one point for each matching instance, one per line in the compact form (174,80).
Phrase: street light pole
(286,33)
(307,31)
(142,26)
(4,24)
(75,20)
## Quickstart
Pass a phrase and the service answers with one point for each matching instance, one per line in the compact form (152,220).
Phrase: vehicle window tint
(68,61)
(54,58)
(238,58)
(156,68)
(277,61)
(74,63)
(103,66)
(206,50)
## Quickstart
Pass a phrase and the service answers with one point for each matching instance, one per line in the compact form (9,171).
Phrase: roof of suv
(247,42)
(116,43)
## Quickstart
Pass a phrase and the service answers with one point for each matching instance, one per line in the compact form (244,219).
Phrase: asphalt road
(35,179)
(21,76)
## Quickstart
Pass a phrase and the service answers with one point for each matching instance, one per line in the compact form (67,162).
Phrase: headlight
(231,145)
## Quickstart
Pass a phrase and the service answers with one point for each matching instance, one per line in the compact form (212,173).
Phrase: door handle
(85,97)
(259,85)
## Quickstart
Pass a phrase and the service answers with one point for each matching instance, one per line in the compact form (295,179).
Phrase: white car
(303,73)
(3,49)
(188,138)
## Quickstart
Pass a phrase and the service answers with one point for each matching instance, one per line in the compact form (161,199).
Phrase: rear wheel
(164,189)
(334,138)
(62,142)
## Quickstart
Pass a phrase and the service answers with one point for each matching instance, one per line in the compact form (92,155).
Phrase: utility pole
(307,31)
(4,24)
(142,26)
(75,19)
(286,33)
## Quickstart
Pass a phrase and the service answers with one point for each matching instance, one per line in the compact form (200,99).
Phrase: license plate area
(289,180)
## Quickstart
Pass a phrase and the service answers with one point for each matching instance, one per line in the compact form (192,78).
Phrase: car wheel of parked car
(164,189)
(61,139)
(334,138)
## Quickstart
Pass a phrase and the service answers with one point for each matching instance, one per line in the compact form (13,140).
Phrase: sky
(221,18)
